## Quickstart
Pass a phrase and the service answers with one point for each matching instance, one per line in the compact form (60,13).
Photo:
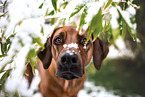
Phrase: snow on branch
(23,29)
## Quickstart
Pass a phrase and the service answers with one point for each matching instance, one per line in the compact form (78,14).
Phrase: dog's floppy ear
(100,51)
(45,55)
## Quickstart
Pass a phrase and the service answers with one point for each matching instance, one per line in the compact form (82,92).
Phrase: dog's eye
(84,40)
(58,40)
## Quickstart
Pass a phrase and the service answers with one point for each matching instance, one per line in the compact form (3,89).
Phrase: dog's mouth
(68,75)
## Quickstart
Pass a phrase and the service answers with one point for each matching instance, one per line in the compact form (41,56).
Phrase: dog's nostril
(67,59)
(74,60)
(63,59)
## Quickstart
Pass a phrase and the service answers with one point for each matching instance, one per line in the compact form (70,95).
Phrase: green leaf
(64,21)
(116,47)
(3,55)
(46,13)
(98,28)
(123,29)
(77,9)
(2,69)
(51,13)
(2,51)
(42,30)
(38,40)
(83,16)
(6,74)
(4,6)
(41,5)
(107,25)
(95,25)
(53,20)
(32,58)
(54,3)
(5,47)
(17,94)
(96,33)
(130,30)
(4,77)
(109,33)
(133,35)
(114,4)
(108,3)
(63,5)
(115,33)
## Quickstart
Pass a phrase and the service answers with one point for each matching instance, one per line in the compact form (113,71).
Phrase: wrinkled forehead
(67,29)
(68,32)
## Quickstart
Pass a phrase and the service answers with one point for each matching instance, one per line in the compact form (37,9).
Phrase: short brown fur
(49,60)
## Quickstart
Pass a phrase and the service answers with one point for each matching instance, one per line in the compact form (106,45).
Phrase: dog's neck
(59,84)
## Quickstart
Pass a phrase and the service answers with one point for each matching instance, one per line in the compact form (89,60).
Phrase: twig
(1,7)
(134,5)
(3,14)
(141,37)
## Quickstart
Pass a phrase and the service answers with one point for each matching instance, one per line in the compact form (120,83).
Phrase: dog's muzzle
(70,66)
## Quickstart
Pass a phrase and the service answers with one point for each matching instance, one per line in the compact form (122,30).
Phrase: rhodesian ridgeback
(62,62)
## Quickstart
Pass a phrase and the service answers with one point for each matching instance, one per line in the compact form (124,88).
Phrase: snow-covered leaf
(32,58)
(126,20)
(54,3)
(108,3)
(83,16)
(77,9)
(95,25)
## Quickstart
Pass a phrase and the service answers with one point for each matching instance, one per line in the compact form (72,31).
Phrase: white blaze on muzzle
(69,46)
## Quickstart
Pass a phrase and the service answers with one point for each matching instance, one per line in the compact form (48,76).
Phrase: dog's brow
(61,34)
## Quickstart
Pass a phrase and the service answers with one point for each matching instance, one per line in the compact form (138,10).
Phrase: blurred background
(125,74)
(122,73)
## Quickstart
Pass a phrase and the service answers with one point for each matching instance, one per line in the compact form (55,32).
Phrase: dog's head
(71,52)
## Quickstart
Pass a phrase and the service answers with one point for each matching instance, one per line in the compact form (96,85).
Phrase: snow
(116,1)
(125,15)
(71,52)
(16,81)
(85,47)
(5,0)
(69,9)
(26,20)
(123,51)
(32,27)
(114,17)
(97,91)
(71,45)
(3,22)
(93,9)
(82,32)
(20,10)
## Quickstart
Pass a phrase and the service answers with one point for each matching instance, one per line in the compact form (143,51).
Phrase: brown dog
(62,63)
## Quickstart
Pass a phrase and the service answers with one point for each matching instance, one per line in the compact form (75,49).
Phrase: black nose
(69,59)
